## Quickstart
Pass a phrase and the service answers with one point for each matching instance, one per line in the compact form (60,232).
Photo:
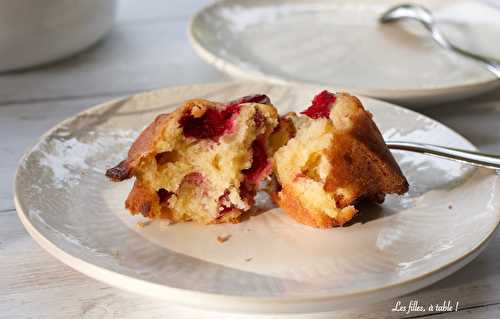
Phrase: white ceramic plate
(271,263)
(340,43)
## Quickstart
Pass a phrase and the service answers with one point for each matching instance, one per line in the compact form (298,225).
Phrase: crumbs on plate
(142,224)
(222,239)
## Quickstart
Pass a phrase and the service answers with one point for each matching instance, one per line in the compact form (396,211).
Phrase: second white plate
(341,44)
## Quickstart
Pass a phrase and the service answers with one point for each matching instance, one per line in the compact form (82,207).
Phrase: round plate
(341,44)
(270,263)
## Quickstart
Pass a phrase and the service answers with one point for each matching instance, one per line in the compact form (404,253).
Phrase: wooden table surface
(148,49)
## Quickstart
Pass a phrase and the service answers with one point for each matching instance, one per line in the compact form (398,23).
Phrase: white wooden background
(148,49)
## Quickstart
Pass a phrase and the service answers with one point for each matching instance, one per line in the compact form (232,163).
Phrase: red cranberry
(216,122)
(163,196)
(260,163)
(212,124)
(247,192)
(321,105)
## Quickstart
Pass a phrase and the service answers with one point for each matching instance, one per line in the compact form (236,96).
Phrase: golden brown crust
(361,171)
(291,204)
(360,160)
(361,167)
(141,146)
(156,202)
(140,200)
(144,144)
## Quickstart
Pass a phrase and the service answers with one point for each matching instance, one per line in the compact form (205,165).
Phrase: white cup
(34,32)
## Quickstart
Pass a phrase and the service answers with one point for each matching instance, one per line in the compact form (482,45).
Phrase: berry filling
(247,192)
(260,163)
(163,196)
(321,105)
(214,122)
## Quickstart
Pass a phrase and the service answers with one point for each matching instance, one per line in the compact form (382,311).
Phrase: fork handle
(491,63)
(491,161)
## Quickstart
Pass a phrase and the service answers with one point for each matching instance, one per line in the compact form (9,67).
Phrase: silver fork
(425,17)
(469,157)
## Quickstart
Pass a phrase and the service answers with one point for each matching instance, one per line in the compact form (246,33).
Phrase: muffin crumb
(222,239)
(142,224)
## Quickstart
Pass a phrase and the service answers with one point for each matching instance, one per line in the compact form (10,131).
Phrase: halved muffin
(201,162)
(334,156)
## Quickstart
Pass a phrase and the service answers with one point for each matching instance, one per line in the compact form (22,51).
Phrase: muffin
(333,156)
(202,163)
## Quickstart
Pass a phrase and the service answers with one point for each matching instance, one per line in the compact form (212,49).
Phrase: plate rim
(217,301)
(233,69)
